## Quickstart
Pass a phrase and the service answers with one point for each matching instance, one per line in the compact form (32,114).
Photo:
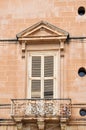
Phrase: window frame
(56,54)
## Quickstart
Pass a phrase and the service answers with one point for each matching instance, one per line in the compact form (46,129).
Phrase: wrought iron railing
(41,108)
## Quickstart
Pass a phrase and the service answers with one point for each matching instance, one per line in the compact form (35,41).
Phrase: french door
(42,75)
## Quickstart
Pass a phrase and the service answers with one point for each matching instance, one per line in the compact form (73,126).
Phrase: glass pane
(36,66)
(48,66)
(36,89)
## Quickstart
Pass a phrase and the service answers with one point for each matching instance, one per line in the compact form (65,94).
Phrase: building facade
(42,65)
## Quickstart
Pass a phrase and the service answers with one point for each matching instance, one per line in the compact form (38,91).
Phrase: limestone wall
(16,15)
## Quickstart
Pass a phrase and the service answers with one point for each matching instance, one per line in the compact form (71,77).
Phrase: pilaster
(62,68)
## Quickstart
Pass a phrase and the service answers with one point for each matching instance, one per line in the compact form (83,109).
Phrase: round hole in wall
(81,10)
(82,112)
(81,72)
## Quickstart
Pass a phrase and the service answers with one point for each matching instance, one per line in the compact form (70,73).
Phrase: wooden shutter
(48,66)
(36,73)
(48,76)
(48,88)
(36,89)
(42,76)
(36,66)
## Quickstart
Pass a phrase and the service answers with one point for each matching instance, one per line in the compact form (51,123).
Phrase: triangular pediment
(42,30)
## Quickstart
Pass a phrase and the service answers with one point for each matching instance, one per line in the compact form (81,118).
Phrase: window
(81,10)
(42,74)
(81,72)
(82,112)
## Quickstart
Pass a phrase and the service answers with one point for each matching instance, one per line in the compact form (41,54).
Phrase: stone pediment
(42,30)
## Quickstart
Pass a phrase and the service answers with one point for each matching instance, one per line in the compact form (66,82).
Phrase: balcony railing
(41,108)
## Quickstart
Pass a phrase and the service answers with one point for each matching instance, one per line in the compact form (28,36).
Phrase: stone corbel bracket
(63,126)
(41,124)
(19,123)
(19,126)
(63,123)
(62,47)
(23,48)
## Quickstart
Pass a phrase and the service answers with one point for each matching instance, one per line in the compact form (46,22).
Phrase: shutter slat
(36,66)
(35,89)
(48,66)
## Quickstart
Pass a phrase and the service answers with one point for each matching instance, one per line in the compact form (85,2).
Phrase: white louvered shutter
(36,74)
(36,66)
(36,89)
(48,76)
(42,76)
(48,66)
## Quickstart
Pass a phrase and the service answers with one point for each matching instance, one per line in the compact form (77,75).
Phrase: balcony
(30,109)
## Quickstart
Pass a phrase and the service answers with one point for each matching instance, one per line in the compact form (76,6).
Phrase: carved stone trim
(40,108)
(41,38)
(24,45)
